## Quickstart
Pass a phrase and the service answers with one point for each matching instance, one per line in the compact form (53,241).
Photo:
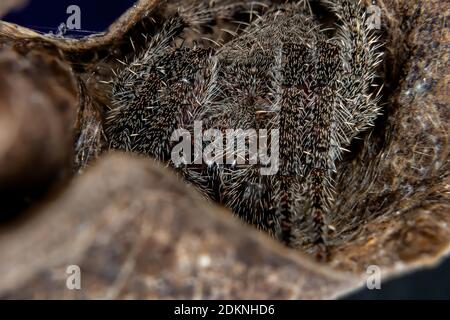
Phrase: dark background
(96,15)
(47,15)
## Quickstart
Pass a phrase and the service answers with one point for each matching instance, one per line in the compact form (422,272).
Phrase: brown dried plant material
(38,106)
(136,233)
(8,5)
(91,47)
(120,223)
(398,202)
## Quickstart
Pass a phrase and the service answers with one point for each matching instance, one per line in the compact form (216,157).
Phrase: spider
(284,72)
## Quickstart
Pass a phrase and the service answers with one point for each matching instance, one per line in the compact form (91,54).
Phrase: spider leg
(129,107)
(356,106)
(204,13)
(213,23)
(158,93)
(305,113)
(242,108)
(244,189)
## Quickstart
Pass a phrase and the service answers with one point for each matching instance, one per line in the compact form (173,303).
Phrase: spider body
(282,72)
